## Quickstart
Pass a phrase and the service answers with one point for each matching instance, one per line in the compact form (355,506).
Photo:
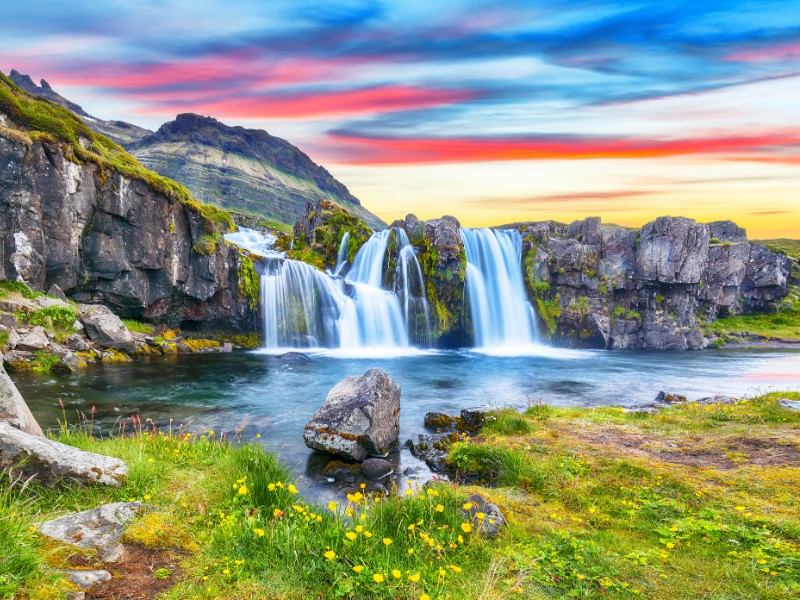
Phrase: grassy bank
(695,501)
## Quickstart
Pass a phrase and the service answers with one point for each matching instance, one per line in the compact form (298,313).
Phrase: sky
(494,112)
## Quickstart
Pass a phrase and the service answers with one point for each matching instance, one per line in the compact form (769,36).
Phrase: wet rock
(35,340)
(361,416)
(70,363)
(13,409)
(106,328)
(469,421)
(342,471)
(376,468)
(670,397)
(226,347)
(99,529)
(53,462)
(294,357)
(87,579)
(432,449)
(789,404)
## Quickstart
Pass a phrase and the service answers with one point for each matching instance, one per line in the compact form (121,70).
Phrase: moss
(249,281)
(619,311)
(550,312)
(138,326)
(304,253)
(44,361)
(199,345)
(205,245)
(632,314)
(603,289)
(3,338)
(245,340)
(714,240)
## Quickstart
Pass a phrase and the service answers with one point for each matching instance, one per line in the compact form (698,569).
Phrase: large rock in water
(53,462)
(13,409)
(361,416)
(106,328)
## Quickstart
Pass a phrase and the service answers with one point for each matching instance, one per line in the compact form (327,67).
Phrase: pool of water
(276,398)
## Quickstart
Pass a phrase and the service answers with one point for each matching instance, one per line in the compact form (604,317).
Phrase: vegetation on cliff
(41,120)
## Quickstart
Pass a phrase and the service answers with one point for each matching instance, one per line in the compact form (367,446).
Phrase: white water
(306,308)
(503,320)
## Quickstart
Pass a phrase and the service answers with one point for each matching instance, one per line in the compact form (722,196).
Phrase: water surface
(275,398)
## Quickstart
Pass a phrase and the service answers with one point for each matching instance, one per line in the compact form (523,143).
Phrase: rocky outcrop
(52,462)
(13,408)
(361,416)
(444,263)
(653,288)
(105,238)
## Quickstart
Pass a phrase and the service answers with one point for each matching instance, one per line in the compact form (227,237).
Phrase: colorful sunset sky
(491,111)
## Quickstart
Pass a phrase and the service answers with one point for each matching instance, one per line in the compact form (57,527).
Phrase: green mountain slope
(245,170)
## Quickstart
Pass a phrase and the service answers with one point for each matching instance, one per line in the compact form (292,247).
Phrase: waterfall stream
(377,302)
(501,315)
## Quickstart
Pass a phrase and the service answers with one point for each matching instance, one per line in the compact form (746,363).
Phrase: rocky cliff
(652,288)
(242,169)
(78,212)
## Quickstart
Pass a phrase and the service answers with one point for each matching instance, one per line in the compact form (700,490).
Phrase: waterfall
(378,301)
(501,314)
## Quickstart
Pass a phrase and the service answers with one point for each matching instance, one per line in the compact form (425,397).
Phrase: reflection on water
(276,398)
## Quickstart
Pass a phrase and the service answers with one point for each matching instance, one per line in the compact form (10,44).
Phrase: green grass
(597,508)
(783,324)
(787,246)
(138,326)
(17,287)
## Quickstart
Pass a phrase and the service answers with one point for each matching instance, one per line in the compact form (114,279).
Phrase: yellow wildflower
(455,569)
(411,551)
(332,506)
(414,577)
(439,508)
(670,545)
(350,536)
(259,532)
(466,527)
(480,516)
(292,489)
(396,574)
(359,528)
(358,568)
(243,490)
(424,597)
(467,505)
(271,487)
(330,555)
(387,541)
(378,578)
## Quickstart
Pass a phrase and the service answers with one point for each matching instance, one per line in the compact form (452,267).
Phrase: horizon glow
(495,113)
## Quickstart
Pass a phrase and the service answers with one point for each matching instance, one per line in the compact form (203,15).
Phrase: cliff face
(653,288)
(242,169)
(103,237)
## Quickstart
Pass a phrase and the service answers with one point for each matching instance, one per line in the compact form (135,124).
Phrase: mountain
(121,132)
(246,170)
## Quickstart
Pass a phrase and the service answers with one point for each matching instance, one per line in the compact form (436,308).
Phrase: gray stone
(53,462)
(35,340)
(13,339)
(226,347)
(789,404)
(56,292)
(376,468)
(294,357)
(672,250)
(71,362)
(98,529)
(106,328)
(361,416)
(76,596)
(487,517)
(87,579)
(13,409)
(670,397)
(76,343)
(8,320)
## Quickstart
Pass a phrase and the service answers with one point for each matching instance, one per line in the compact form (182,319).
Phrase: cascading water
(501,314)
(306,308)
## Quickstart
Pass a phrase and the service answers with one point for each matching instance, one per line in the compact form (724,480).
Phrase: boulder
(670,397)
(86,579)
(106,328)
(361,416)
(13,409)
(294,357)
(98,529)
(486,516)
(9,321)
(76,343)
(53,462)
(376,468)
(34,340)
(789,404)
(56,292)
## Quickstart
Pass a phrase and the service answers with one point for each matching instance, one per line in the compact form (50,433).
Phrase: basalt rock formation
(653,288)
(77,212)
